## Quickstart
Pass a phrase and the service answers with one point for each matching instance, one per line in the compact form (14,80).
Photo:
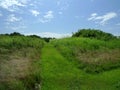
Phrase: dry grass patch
(14,69)
(97,61)
(99,56)
(14,65)
(20,67)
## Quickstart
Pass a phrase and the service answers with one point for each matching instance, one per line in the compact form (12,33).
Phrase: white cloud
(16,26)
(94,14)
(47,17)
(50,34)
(102,20)
(63,4)
(12,5)
(13,18)
(35,12)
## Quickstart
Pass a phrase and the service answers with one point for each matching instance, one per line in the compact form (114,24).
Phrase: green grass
(58,73)
(20,62)
(91,55)
(108,80)
(28,63)
(16,42)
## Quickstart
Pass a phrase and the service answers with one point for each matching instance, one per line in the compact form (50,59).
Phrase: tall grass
(25,71)
(92,55)
(19,42)
(68,72)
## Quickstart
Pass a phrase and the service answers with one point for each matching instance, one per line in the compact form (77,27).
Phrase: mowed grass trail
(57,72)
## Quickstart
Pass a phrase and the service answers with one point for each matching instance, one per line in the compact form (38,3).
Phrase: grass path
(57,72)
(60,74)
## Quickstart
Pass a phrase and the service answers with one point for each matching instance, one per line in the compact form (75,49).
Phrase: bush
(15,34)
(92,33)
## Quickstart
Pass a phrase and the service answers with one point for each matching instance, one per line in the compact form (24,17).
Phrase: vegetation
(92,55)
(19,62)
(92,33)
(15,34)
(47,39)
(89,60)
(69,71)
(34,36)
(57,72)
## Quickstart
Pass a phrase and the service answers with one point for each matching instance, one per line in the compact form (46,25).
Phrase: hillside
(96,61)
(19,62)
(92,54)
(75,63)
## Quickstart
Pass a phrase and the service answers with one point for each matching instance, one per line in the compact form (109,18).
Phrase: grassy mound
(28,63)
(62,67)
(20,62)
(93,33)
(93,55)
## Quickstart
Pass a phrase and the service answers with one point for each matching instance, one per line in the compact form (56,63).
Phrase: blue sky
(58,18)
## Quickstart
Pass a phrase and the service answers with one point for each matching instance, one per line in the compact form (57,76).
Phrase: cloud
(12,5)
(15,23)
(35,12)
(50,34)
(16,26)
(47,17)
(13,18)
(102,20)
(93,16)
(63,5)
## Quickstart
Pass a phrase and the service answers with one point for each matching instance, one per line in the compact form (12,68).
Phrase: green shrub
(92,33)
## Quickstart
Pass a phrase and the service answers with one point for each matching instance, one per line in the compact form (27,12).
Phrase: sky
(59,18)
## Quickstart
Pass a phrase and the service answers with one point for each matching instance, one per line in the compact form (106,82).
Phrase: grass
(59,73)
(91,55)
(20,62)
(28,63)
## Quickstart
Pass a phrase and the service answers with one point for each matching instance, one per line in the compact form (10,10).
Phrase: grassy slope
(58,73)
(91,55)
(19,62)
(57,70)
